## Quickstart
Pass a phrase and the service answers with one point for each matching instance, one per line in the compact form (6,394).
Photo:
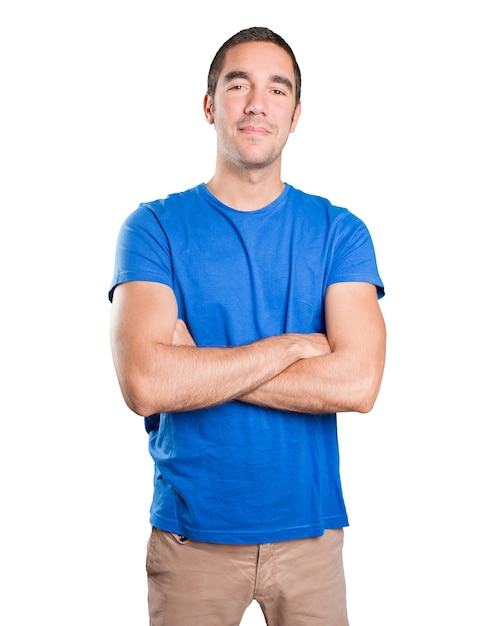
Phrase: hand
(181,336)
(318,344)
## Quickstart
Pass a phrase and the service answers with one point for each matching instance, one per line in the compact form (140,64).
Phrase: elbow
(139,407)
(365,397)
(137,403)
(138,398)
(145,397)
(364,404)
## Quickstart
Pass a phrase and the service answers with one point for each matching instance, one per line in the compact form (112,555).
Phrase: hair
(255,33)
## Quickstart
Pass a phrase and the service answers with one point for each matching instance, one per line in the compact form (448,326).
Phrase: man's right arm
(157,376)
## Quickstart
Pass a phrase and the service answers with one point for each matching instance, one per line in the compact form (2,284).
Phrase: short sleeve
(142,251)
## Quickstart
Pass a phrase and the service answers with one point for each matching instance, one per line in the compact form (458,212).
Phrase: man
(245,316)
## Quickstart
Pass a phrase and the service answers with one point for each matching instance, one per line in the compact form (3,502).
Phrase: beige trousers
(297,583)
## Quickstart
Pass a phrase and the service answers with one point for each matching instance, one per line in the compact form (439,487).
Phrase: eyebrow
(276,78)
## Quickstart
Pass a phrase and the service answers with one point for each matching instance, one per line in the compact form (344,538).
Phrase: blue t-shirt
(238,473)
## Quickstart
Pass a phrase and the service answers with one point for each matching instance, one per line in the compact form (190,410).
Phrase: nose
(253,108)
(255,104)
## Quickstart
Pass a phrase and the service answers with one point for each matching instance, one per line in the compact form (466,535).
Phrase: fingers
(322,343)
(182,336)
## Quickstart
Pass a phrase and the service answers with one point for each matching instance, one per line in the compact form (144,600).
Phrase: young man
(245,315)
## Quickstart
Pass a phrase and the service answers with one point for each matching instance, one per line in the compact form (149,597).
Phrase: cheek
(225,120)
(231,108)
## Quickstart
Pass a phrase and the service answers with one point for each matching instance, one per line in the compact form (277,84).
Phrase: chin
(258,163)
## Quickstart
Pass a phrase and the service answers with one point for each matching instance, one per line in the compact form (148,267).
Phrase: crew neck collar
(265,209)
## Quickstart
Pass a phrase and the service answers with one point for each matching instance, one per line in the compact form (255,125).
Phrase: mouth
(259,131)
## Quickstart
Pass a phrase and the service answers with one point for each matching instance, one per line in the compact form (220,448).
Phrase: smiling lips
(255,130)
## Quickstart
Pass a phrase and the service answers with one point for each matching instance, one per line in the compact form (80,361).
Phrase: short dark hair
(255,33)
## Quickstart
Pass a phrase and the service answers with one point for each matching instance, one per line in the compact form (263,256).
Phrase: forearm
(182,378)
(348,376)
(332,383)
(160,369)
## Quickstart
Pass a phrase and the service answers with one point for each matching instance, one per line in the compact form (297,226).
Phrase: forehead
(259,58)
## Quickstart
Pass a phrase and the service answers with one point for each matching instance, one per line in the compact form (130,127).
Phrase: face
(253,110)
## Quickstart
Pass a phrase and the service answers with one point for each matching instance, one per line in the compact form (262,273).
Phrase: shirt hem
(245,536)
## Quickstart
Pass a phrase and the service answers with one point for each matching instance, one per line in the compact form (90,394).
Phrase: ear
(209,109)
(295,117)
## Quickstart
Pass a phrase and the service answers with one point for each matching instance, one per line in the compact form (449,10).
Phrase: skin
(158,365)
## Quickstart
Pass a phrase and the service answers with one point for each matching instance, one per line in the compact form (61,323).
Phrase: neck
(247,190)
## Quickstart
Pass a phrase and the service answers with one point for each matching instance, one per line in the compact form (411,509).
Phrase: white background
(101,109)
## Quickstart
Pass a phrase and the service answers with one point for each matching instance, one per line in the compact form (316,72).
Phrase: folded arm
(348,378)
(156,374)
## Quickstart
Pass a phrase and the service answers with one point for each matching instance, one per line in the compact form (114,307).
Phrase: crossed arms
(160,368)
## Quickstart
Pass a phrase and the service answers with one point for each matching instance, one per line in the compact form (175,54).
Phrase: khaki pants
(297,583)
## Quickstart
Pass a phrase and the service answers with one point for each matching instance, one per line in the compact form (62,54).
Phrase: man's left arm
(349,377)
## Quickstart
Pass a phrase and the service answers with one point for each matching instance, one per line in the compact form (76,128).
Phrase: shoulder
(156,213)
(321,208)
(173,200)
